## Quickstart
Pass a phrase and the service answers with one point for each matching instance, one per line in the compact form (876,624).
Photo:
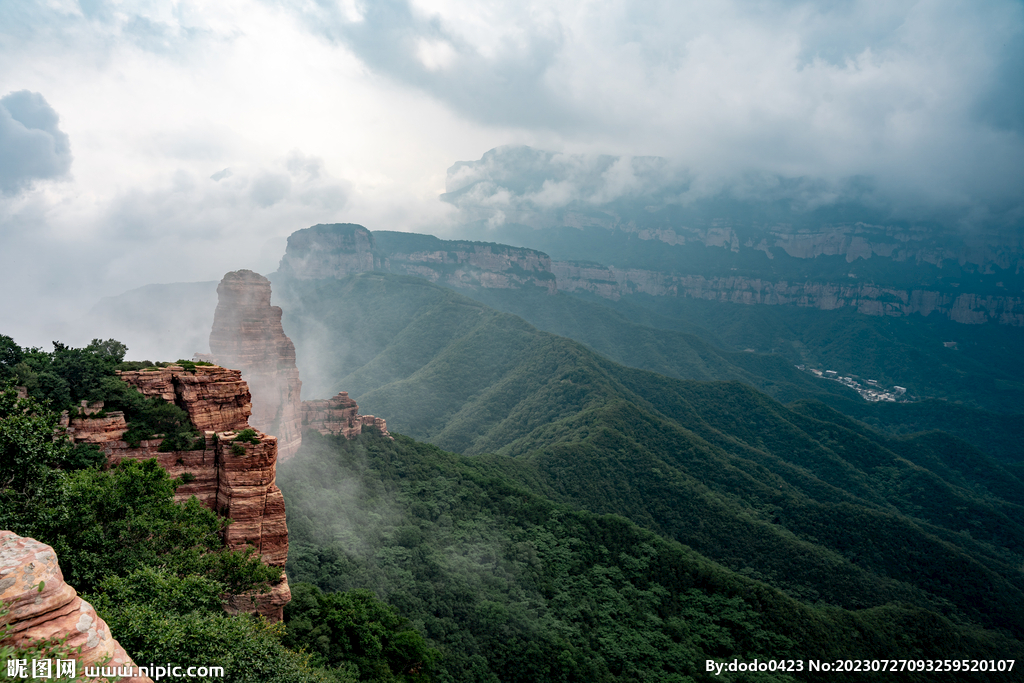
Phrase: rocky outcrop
(339,416)
(329,251)
(462,263)
(866,298)
(334,251)
(44,608)
(215,398)
(235,479)
(247,335)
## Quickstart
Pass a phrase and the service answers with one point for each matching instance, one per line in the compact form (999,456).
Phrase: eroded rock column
(247,335)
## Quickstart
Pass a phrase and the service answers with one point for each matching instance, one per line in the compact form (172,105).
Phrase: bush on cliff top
(69,375)
(155,569)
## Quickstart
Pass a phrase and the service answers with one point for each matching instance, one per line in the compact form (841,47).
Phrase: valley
(512,342)
(550,472)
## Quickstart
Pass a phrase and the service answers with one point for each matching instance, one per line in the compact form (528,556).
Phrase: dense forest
(156,570)
(800,497)
(597,506)
(512,586)
(969,389)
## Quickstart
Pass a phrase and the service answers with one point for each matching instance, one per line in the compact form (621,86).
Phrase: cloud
(32,145)
(236,204)
(185,118)
(269,188)
(516,182)
(924,98)
(527,186)
(488,60)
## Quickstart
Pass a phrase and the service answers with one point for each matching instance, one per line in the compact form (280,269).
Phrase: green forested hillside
(391,326)
(974,385)
(800,497)
(157,570)
(985,369)
(670,343)
(511,586)
(686,351)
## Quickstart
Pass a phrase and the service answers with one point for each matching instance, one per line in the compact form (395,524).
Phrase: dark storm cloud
(32,145)
(1002,105)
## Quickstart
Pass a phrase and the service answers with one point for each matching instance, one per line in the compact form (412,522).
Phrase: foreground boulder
(41,607)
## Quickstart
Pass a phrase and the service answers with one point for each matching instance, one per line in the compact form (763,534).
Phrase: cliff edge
(235,479)
(336,250)
(339,416)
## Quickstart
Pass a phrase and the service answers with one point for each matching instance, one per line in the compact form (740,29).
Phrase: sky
(156,142)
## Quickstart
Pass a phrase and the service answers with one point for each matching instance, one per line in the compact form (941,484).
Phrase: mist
(146,144)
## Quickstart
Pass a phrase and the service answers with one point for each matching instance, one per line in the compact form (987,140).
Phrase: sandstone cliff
(42,607)
(236,480)
(852,241)
(329,251)
(334,251)
(339,416)
(462,263)
(869,299)
(247,335)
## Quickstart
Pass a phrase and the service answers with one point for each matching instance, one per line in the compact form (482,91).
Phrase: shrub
(247,436)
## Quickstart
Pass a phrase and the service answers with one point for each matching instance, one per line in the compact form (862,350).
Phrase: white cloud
(185,118)
(435,54)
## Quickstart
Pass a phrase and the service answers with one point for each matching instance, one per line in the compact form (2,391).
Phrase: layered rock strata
(466,264)
(247,335)
(235,479)
(612,283)
(329,251)
(337,250)
(334,251)
(339,416)
(44,608)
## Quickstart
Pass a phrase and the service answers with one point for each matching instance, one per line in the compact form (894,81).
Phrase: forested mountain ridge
(933,358)
(511,586)
(971,365)
(801,497)
(439,317)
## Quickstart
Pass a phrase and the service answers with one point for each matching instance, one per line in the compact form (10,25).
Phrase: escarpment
(247,335)
(235,479)
(866,298)
(337,250)
(334,251)
(42,607)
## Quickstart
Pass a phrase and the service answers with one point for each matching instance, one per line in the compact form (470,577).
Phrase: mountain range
(640,463)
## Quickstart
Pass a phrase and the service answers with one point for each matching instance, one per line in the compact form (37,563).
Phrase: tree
(10,355)
(28,446)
